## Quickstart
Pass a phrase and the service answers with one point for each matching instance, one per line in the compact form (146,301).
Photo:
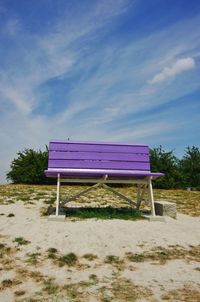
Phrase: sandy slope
(102,238)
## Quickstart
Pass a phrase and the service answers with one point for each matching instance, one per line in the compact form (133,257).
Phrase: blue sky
(107,70)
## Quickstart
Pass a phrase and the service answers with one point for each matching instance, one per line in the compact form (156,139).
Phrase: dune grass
(104,213)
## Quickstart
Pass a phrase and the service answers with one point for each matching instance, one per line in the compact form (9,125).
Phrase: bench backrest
(95,155)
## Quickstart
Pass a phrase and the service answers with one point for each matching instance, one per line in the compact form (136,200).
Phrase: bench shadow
(97,212)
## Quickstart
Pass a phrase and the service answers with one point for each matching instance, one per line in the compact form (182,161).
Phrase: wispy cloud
(178,67)
(41,58)
(85,78)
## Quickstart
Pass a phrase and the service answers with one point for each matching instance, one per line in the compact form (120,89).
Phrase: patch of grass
(2,246)
(52,250)
(79,292)
(21,241)
(36,276)
(162,255)
(112,259)
(104,213)
(44,211)
(93,278)
(105,295)
(68,259)
(50,287)
(115,261)
(6,255)
(124,290)
(135,257)
(52,253)
(90,257)
(187,293)
(10,215)
(40,194)
(23,197)
(73,292)
(50,200)
(19,293)
(7,283)
(31,191)
(32,258)
(6,201)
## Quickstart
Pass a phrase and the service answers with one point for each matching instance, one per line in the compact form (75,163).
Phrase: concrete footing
(154,218)
(60,218)
(165,208)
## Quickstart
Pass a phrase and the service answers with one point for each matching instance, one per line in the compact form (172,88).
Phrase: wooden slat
(99,156)
(98,164)
(53,146)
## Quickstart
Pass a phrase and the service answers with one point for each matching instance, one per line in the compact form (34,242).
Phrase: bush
(29,167)
(168,163)
(190,167)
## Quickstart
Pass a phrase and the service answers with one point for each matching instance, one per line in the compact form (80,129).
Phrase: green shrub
(28,167)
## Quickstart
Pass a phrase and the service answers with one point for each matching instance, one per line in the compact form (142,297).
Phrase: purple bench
(101,163)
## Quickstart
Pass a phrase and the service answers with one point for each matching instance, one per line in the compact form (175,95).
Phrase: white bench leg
(140,194)
(150,195)
(138,197)
(58,195)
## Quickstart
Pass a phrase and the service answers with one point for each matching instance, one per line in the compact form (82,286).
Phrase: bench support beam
(140,194)
(58,195)
(143,185)
(101,183)
(150,195)
(132,203)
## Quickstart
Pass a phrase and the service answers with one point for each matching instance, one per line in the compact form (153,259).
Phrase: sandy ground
(153,279)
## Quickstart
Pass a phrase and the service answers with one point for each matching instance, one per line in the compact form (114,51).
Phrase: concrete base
(165,208)
(56,218)
(154,218)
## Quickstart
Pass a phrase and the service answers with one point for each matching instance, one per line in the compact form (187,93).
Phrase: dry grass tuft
(90,257)
(33,258)
(187,293)
(69,259)
(123,290)
(21,241)
(161,255)
(19,293)
(7,283)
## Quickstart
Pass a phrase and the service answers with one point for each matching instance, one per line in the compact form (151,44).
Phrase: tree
(190,167)
(29,167)
(168,163)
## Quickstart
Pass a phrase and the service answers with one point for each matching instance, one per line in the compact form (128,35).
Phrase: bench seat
(89,173)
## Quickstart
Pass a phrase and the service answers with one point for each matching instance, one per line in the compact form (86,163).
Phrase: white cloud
(178,67)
